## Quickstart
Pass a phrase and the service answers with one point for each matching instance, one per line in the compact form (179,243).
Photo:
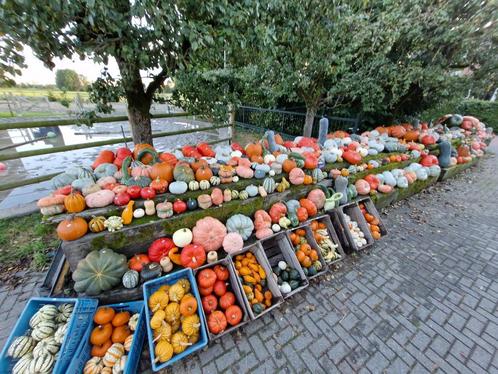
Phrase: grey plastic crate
(353,210)
(333,236)
(257,250)
(370,207)
(235,288)
(278,248)
(340,230)
(312,243)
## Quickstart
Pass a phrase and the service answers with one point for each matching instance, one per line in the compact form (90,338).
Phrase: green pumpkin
(241,224)
(62,180)
(130,279)
(81,183)
(183,173)
(105,170)
(99,271)
(258,308)
(269,185)
(128,180)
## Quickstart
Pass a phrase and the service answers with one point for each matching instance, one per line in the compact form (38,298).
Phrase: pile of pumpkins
(37,350)
(174,319)
(111,338)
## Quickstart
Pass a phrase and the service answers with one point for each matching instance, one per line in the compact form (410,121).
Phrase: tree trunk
(139,117)
(309,119)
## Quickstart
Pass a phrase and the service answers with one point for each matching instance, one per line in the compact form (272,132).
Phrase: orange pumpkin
(120,334)
(302,214)
(72,228)
(412,135)
(198,163)
(99,350)
(146,159)
(254,149)
(288,165)
(309,206)
(188,306)
(101,334)
(397,131)
(104,315)
(121,319)
(308,179)
(162,170)
(74,203)
(169,158)
(257,159)
(203,173)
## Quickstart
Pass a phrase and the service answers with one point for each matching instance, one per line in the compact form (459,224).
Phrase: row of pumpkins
(37,350)
(191,247)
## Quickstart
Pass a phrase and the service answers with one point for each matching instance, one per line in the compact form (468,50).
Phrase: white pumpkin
(182,237)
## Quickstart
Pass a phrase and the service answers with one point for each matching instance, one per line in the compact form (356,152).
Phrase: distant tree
(146,38)
(67,80)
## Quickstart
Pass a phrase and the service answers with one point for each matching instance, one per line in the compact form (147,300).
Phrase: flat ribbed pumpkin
(209,232)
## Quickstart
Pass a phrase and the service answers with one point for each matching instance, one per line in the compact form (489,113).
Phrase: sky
(37,73)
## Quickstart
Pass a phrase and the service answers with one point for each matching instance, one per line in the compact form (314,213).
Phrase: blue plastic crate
(81,318)
(83,354)
(153,285)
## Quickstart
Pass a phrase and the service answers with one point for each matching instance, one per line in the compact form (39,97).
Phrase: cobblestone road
(424,299)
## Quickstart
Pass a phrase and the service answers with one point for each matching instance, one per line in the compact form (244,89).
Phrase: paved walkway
(424,299)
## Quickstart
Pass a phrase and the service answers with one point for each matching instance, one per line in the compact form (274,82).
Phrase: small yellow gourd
(175,326)
(176,292)
(194,338)
(191,324)
(185,284)
(163,332)
(158,300)
(172,312)
(180,342)
(164,288)
(164,351)
(127,214)
(157,319)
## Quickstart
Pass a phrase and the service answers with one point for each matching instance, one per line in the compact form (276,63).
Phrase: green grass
(40,92)
(26,242)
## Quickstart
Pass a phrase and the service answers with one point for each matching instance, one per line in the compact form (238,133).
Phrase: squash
(51,205)
(204,185)
(81,184)
(232,243)
(159,185)
(99,271)
(104,315)
(317,196)
(119,366)
(241,224)
(178,187)
(188,306)
(362,186)
(191,324)
(180,342)
(42,364)
(21,346)
(183,173)
(193,186)
(204,201)
(72,228)
(243,195)
(277,211)
(130,279)
(216,196)
(74,203)
(444,157)
(269,185)
(176,293)
(217,322)
(62,180)
(203,173)
(100,199)
(101,334)
(105,170)
(214,181)
(150,271)
(182,237)
(244,172)
(310,207)
(193,256)
(113,354)
(138,261)
(164,351)
(172,311)
(162,170)
(96,224)
(254,149)
(93,366)
(158,300)
(209,233)
(296,176)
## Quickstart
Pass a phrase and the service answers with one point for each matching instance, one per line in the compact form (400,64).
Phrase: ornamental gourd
(72,228)
(182,237)
(269,185)
(214,181)
(209,232)
(113,354)
(296,176)
(241,224)
(96,224)
(50,205)
(99,271)
(130,279)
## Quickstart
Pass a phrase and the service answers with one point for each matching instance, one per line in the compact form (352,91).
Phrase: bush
(486,111)
(51,97)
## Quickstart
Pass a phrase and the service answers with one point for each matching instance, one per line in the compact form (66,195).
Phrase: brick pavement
(424,299)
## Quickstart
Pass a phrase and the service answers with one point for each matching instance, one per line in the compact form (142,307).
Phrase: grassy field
(39,92)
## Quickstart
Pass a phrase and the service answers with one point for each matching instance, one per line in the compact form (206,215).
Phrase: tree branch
(156,83)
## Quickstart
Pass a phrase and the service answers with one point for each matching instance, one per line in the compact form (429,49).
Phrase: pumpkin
(105,157)
(164,209)
(72,228)
(120,333)
(269,185)
(93,366)
(302,214)
(362,186)
(296,176)
(191,324)
(51,204)
(172,310)
(162,170)
(145,157)
(233,242)
(188,306)
(217,196)
(214,180)
(180,342)
(62,180)
(130,279)
(21,346)
(182,237)
(411,135)
(209,233)
(160,248)
(158,300)
(233,314)
(352,157)
(74,203)
(204,201)
(183,173)
(193,256)
(241,224)
(176,292)
(41,364)
(310,207)
(87,190)
(308,179)
(178,187)
(119,366)
(104,181)
(100,199)
(104,315)
(193,186)
(254,149)
(163,351)
(197,164)
(203,173)
(277,211)
(99,271)
(397,131)
(261,220)
(113,354)
(244,172)
(101,334)
(159,185)
(217,322)
(317,196)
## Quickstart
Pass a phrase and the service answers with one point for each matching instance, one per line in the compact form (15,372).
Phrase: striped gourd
(35,320)
(128,342)
(214,180)
(317,175)
(235,194)
(113,354)
(43,330)
(204,185)
(46,346)
(42,364)
(93,366)
(243,195)
(193,185)
(48,311)
(21,346)
(65,311)
(60,333)
(22,366)
(269,185)
(120,365)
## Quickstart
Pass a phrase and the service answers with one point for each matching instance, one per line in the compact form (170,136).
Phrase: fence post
(231,121)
